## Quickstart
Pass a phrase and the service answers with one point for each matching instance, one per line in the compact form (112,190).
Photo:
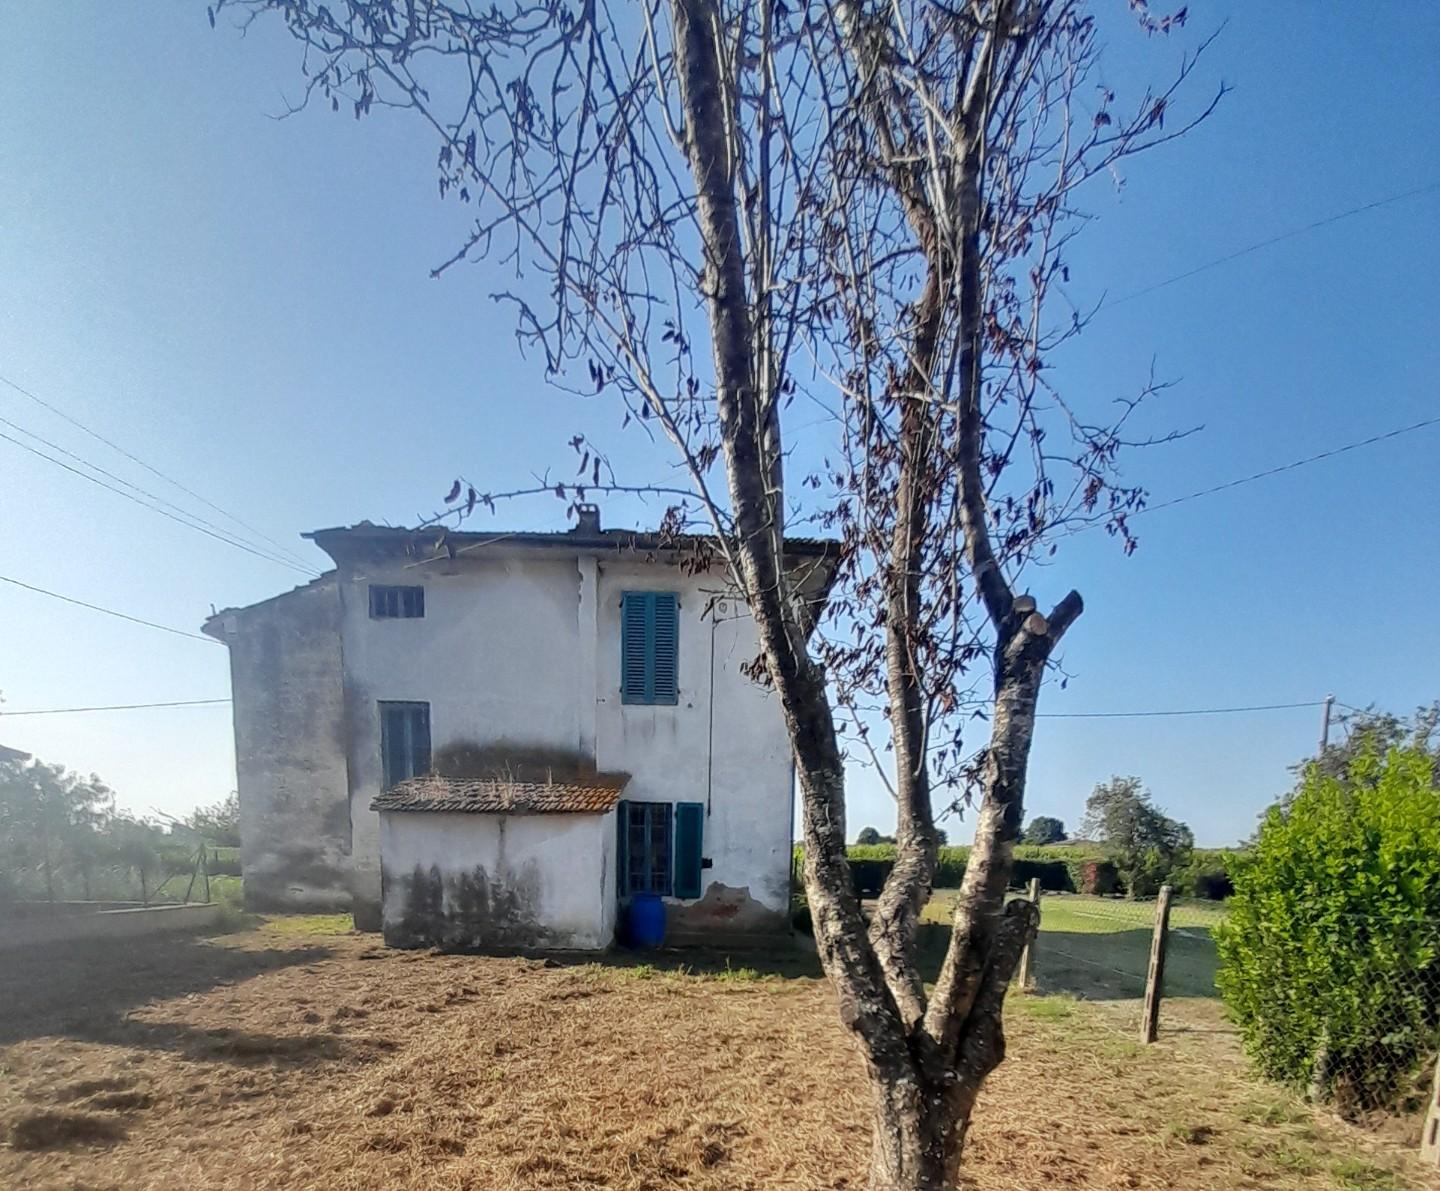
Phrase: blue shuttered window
(649,647)
(404,741)
(660,848)
(644,863)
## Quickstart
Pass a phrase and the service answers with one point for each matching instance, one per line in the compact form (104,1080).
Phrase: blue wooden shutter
(689,847)
(634,637)
(665,650)
(649,647)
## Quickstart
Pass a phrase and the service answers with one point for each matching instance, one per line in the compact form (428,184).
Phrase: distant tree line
(62,838)
(1138,846)
(870,836)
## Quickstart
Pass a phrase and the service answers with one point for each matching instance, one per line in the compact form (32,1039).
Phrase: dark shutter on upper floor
(649,647)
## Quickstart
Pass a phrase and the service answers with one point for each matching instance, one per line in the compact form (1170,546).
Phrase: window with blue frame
(645,847)
(649,647)
(404,741)
(396,603)
(660,848)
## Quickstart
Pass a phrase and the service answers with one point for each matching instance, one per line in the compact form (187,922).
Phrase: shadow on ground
(784,958)
(1111,966)
(83,990)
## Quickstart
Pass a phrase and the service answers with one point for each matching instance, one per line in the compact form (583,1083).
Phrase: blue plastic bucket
(646,921)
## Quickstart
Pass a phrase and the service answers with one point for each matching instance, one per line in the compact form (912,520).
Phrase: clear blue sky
(245,303)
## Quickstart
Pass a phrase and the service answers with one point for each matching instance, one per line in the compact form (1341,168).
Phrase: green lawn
(1098,948)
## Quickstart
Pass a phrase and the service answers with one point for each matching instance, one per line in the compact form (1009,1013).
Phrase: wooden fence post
(194,873)
(1430,1137)
(1027,982)
(1155,978)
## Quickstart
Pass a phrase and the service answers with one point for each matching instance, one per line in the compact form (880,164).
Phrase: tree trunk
(901,1153)
(926,1062)
(922,1108)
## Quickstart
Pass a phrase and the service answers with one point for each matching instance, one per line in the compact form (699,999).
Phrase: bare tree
(863,207)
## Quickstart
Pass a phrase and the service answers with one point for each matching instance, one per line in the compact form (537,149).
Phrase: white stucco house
(496,738)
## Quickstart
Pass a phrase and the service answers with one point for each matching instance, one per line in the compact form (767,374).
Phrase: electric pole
(1325,723)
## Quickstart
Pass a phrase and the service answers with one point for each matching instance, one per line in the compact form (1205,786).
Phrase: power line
(1068,715)
(160,500)
(1274,471)
(114,446)
(117,707)
(1256,247)
(209,533)
(55,595)
(1107,715)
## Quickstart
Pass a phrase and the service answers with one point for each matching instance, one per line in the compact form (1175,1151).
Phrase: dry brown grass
(308,1060)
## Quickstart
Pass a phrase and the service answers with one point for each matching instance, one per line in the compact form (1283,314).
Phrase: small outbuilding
(491,863)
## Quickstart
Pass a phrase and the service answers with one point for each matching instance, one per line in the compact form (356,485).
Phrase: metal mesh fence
(1351,1008)
(1349,1013)
(1098,949)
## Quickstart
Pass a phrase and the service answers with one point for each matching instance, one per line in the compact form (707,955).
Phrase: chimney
(587,520)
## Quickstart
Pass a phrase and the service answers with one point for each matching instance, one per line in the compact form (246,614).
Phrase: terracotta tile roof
(494,796)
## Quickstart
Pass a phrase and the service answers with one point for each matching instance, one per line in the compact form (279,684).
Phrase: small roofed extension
(495,739)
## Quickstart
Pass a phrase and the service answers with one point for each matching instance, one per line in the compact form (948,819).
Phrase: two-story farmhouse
(494,739)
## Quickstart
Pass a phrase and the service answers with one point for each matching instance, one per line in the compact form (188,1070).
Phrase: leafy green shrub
(869,876)
(1330,958)
(949,866)
(1054,875)
(1094,875)
(1207,876)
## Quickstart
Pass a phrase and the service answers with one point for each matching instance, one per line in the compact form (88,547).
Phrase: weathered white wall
(462,880)
(495,656)
(741,769)
(522,652)
(109,924)
(285,677)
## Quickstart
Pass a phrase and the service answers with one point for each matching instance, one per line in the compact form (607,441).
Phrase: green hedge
(1207,876)
(1330,956)
(1060,869)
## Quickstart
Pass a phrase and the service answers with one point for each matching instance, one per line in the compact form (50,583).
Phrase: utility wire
(1256,247)
(228,535)
(209,533)
(117,707)
(55,595)
(114,446)
(1108,715)
(1067,715)
(1275,471)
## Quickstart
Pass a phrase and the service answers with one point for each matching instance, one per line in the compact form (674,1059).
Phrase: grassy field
(304,1055)
(1098,948)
